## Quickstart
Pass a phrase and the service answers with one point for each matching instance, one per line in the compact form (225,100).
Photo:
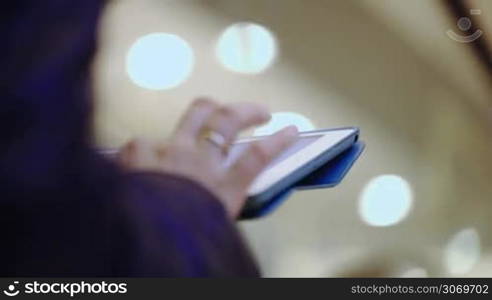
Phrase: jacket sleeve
(170,226)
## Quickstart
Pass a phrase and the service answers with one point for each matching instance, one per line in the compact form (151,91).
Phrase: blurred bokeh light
(462,252)
(414,273)
(246,48)
(385,201)
(159,61)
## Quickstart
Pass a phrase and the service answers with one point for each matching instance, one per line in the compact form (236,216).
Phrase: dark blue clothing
(65,211)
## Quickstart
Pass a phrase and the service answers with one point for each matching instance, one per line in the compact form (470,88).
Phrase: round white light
(462,251)
(385,200)
(159,61)
(281,120)
(246,48)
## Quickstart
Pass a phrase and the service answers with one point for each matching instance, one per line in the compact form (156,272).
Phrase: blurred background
(415,76)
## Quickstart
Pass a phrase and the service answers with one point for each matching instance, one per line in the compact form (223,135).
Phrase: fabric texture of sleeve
(170,226)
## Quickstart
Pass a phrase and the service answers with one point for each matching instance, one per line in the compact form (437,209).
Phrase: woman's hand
(197,150)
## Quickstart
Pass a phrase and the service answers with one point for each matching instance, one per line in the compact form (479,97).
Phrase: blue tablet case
(327,176)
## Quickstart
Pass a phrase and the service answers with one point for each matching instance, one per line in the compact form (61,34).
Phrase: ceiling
(423,25)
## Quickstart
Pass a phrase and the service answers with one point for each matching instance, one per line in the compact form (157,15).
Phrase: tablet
(311,151)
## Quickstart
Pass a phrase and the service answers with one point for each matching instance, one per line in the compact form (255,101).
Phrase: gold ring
(217,139)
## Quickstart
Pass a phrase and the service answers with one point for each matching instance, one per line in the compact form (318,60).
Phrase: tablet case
(327,176)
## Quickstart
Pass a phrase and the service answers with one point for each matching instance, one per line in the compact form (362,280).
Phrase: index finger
(229,120)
